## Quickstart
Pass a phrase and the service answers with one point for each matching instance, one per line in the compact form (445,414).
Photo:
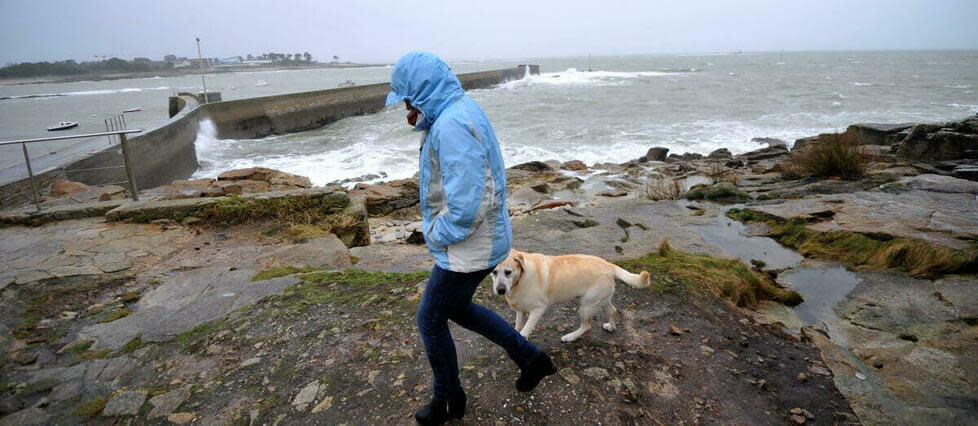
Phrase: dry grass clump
(726,278)
(833,155)
(663,189)
(717,173)
(916,257)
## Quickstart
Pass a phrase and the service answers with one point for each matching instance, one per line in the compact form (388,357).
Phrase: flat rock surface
(913,346)
(947,219)
(184,300)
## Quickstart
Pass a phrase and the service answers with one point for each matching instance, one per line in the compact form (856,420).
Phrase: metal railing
(123,140)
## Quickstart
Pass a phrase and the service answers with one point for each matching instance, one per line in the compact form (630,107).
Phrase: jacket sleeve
(462,159)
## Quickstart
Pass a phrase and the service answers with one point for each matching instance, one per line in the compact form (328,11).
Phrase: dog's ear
(518,257)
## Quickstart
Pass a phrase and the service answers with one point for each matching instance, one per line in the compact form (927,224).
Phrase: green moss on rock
(916,257)
(699,273)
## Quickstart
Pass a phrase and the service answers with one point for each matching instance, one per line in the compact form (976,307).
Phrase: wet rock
(940,142)
(534,166)
(720,153)
(66,188)
(876,133)
(657,153)
(326,251)
(126,403)
(542,188)
(574,165)
(771,142)
(27,417)
(765,153)
(554,164)
(169,402)
(565,182)
(688,156)
(933,183)
(385,198)
(966,172)
(272,176)
(946,219)
(613,193)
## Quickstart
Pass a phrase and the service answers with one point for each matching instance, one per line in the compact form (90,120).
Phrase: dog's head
(507,274)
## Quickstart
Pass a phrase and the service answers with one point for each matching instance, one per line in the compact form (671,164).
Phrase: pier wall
(168,153)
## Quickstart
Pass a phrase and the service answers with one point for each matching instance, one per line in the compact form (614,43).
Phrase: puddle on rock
(733,237)
(822,287)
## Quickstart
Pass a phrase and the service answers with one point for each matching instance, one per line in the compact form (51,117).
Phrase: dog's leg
(531,322)
(520,320)
(587,311)
(612,313)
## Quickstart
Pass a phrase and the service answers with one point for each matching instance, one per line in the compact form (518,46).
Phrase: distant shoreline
(171,73)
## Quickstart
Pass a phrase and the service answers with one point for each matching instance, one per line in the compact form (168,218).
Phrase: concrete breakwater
(168,153)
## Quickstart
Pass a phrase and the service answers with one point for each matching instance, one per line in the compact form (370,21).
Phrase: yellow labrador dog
(533,282)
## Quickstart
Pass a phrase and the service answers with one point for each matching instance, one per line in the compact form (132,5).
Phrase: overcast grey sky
(33,30)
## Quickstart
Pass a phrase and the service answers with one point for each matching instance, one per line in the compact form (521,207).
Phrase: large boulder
(720,153)
(574,165)
(771,151)
(925,143)
(272,176)
(66,188)
(534,166)
(876,133)
(385,198)
(80,193)
(657,153)
(324,252)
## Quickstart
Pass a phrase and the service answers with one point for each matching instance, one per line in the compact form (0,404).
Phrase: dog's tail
(635,280)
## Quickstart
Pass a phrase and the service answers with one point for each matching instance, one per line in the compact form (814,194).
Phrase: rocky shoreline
(233,300)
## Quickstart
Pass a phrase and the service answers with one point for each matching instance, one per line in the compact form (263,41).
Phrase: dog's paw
(568,338)
(609,327)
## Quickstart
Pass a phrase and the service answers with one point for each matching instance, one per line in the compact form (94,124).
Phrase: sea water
(687,103)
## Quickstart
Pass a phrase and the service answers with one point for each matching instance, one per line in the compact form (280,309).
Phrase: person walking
(465,225)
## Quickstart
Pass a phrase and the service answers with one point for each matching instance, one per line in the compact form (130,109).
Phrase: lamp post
(201,59)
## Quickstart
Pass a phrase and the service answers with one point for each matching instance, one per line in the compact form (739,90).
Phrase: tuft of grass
(717,173)
(916,257)
(833,155)
(91,408)
(132,345)
(699,273)
(351,287)
(78,347)
(193,336)
(304,232)
(130,296)
(114,314)
(279,271)
(663,189)
(716,192)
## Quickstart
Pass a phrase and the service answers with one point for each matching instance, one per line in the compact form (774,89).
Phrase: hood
(427,82)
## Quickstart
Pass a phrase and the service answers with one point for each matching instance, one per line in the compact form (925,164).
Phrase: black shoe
(456,405)
(433,414)
(540,366)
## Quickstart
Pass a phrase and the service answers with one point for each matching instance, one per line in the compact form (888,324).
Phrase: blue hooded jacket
(461,172)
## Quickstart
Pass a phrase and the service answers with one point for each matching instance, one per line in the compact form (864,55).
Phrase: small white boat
(136,109)
(348,83)
(261,83)
(64,125)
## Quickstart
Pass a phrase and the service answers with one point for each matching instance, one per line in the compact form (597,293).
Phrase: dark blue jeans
(448,296)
